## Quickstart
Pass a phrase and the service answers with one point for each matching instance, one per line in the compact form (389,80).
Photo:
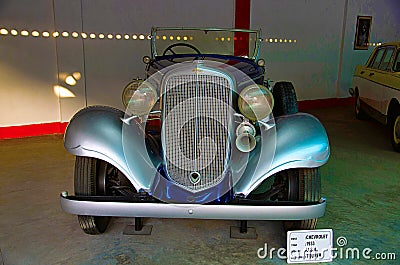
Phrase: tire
(300,185)
(360,114)
(395,130)
(285,99)
(90,179)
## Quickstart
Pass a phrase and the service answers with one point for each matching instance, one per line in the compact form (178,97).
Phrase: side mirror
(351,91)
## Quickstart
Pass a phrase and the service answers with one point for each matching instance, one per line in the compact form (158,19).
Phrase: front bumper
(196,211)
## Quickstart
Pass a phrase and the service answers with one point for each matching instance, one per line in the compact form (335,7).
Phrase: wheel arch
(392,107)
(307,149)
(97,132)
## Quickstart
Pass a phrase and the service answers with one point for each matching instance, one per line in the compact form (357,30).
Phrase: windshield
(235,42)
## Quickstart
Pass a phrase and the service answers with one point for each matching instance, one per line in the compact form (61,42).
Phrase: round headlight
(256,102)
(129,89)
(139,97)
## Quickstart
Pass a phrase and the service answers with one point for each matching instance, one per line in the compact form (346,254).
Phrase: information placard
(309,246)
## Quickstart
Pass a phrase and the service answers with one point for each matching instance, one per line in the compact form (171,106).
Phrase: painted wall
(311,63)
(109,64)
(385,28)
(30,66)
(319,28)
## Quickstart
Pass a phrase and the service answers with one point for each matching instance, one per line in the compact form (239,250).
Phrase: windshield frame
(255,52)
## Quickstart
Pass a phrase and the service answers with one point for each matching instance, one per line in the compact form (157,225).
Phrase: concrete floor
(361,182)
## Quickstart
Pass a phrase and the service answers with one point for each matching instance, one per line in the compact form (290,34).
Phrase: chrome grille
(195,135)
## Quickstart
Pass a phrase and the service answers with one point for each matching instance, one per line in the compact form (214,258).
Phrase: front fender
(301,142)
(98,132)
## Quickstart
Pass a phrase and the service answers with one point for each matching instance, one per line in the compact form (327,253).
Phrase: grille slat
(195,135)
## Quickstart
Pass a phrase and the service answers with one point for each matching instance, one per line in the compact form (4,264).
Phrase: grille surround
(195,135)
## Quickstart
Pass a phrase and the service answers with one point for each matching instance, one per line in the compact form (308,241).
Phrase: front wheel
(395,131)
(300,185)
(92,177)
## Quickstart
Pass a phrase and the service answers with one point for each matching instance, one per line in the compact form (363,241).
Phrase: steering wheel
(170,48)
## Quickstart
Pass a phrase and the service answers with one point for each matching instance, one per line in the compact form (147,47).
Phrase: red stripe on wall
(242,21)
(325,103)
(32,130)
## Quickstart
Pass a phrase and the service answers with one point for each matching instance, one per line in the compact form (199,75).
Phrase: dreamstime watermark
(311,253)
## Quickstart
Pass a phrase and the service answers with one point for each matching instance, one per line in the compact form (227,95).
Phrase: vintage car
(205,135)
(376,87)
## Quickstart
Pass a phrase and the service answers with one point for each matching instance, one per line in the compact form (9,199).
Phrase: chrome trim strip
(194,211)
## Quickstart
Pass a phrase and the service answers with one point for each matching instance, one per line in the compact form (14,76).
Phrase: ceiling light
(62,92)
(70,80)
(77,75)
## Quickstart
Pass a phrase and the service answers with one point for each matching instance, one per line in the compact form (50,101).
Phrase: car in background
(203,136)
(376,87)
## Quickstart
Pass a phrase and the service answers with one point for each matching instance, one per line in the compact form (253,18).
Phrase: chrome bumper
(195,211)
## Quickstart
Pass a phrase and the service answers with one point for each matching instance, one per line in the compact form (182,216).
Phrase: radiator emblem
(194,177)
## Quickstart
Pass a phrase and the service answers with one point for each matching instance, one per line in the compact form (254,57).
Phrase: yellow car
(376,87)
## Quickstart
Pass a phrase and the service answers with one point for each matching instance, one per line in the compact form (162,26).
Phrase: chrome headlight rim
(129,90)
(144,93)
(255,112)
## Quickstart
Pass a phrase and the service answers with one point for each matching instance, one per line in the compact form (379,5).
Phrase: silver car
(205,135)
